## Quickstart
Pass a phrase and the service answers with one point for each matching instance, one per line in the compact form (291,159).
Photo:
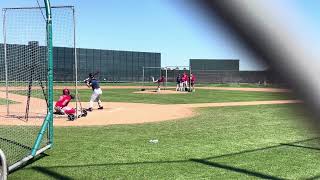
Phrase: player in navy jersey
(92,82)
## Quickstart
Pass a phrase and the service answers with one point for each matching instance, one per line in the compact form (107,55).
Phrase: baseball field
(213,133)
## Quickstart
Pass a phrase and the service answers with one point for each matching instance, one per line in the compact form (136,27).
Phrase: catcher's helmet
(65,91)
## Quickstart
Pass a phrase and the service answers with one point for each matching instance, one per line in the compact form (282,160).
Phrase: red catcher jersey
(63,101)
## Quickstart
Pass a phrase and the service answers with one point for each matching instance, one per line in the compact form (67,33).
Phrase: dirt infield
(135,113)
(121,113)
(18,109)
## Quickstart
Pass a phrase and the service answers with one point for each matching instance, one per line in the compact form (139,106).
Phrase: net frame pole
(5,58)
(37,7)
(166,86)
(50,68)
(3,160)
(190,71)
(28,158)
(142,76)
(75,59)
(48,123)
(160,74)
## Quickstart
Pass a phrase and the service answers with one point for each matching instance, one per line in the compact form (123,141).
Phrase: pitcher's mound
(149,91)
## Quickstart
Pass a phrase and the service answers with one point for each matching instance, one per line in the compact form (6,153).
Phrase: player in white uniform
(92,82)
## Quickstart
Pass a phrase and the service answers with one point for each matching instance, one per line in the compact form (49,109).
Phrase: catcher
(61,106)
(92,82)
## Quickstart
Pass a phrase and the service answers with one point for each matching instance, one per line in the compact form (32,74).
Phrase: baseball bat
(96,73)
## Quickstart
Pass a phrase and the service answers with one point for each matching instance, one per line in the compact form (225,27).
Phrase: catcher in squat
(92,82)
(61,106)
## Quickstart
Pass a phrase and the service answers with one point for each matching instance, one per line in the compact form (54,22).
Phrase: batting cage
(26,96)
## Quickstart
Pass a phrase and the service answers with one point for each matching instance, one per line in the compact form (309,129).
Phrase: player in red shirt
(192,81)
(61,106)
(185,81)
(159,81)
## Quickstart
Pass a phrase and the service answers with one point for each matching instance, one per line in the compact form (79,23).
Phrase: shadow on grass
(235,169)
(301,146)
(51,173)
(42,170)
(37,158)
(204,161)
(266,148)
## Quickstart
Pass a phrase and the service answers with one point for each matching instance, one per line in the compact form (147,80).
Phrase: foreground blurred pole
(3,166)
(267,37)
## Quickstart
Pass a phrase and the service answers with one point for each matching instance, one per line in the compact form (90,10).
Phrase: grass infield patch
(200,96)
(4,101)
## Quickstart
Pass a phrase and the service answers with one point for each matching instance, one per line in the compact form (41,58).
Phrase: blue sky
(175,30)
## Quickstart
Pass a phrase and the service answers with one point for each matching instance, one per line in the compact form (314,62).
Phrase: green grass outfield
(200,96)
(248,142)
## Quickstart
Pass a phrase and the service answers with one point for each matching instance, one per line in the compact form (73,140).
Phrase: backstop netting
(24,77)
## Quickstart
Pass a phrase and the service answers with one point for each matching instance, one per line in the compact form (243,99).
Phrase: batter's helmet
(65,91)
